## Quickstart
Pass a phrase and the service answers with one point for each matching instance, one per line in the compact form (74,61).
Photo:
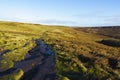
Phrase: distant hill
(111,31)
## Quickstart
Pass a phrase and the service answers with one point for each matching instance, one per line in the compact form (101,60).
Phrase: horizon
(62,12)
(61,25)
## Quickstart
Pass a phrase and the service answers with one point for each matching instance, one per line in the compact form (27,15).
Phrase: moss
(18,74)
(14,76)
(5,64)
(65,78)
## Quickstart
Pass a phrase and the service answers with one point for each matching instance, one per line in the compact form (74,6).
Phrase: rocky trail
(38,64)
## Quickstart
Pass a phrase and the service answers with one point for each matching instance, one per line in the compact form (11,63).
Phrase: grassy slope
(78,54)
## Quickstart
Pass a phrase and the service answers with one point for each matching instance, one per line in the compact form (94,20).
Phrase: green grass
(68,48)
(78,54)
(17,45)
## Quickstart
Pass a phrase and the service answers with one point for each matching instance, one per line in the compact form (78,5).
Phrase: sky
(62,12)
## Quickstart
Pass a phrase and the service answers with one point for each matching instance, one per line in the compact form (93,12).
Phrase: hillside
(113,31)
(57,53)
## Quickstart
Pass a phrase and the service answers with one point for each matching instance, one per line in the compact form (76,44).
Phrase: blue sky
(62,12)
